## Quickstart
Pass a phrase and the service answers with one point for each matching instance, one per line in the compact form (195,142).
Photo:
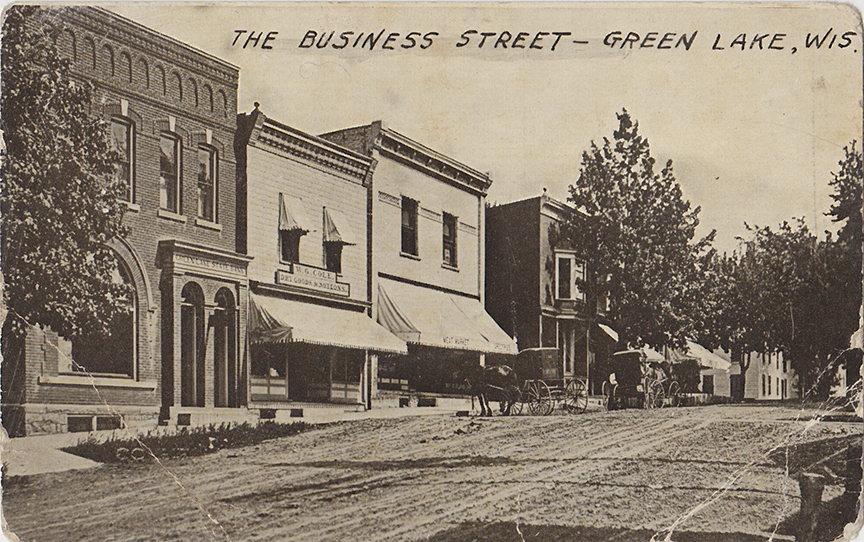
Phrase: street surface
(625,475)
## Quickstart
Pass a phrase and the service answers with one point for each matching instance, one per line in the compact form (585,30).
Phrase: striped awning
(277,320)
(292,215)
(431,317)
(336,228)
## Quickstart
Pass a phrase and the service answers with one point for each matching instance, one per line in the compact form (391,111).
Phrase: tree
(636,232)
(60,206)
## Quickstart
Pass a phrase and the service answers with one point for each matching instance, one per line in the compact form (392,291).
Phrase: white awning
(430,317)
(292,215)
(336,228)
(609,331)
(272,319)
(706,357)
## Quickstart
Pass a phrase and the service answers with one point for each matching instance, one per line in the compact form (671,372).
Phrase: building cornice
(433,163)
(102,22)
(316,150)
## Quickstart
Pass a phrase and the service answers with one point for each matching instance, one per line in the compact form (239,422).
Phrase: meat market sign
(312,278)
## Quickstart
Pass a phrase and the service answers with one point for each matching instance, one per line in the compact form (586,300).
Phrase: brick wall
(513,269)
(158,84)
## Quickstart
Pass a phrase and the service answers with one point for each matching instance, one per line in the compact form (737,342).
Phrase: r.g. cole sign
(312,278)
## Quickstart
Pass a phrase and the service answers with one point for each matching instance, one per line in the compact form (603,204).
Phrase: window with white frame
(207,185)
(409,226)
(449,255)
(123,141)
(170,181)
(568,271)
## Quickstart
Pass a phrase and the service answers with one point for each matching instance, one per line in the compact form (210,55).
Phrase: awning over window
(433,318)
(276,320)
(609,331)
(336,228)
(291,214)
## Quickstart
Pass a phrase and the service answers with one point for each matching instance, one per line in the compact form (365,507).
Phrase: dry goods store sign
(312,278)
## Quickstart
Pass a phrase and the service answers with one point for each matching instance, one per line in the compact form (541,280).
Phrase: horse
(494,380)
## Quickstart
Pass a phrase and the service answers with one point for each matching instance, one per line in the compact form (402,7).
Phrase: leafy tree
(60,203)
(848,185)
(637,232)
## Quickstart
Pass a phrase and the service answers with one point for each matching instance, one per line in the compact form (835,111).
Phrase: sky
(753,134)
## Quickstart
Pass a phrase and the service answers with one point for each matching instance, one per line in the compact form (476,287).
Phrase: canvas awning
(292,215)
(277,320)
(336,228)
(609,331)
(706,357)
(434,318)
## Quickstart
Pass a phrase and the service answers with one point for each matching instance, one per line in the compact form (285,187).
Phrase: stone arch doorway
(192,346)
(225,369)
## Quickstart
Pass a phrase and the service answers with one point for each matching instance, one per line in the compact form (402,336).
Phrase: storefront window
(114,353)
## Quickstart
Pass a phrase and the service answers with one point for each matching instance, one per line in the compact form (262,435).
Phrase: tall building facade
(305,217)
(427,257)
(171,110)
(532,284)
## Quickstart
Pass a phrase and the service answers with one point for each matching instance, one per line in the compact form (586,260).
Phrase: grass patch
(184,443)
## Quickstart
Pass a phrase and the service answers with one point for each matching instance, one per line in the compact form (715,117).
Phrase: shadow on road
(511,532)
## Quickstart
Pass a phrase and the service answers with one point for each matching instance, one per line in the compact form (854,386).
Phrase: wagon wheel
(576,396)
(609,390)
(513,396)
(672,394)
(654,394)
(539,398)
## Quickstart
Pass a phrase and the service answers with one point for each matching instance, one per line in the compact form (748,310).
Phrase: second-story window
(169,173)
(207,186)
(289,244)
(123,141)
(333,256)
(409,226)
(449,255)
(568,273)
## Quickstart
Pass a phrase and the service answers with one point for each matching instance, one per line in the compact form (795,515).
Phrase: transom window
(449,255)
(169,172)
(123,141)
(409,226)
(568,271)
(207,186)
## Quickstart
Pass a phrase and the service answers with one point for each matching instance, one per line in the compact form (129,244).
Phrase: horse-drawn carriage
(635,380)
(544,384)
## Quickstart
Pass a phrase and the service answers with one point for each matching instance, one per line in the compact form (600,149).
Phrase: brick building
(172,114)
(427,258)
(531,285)
(304,216)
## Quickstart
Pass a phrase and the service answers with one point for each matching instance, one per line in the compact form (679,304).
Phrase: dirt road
(622,475)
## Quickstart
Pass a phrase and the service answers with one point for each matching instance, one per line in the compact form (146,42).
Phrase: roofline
(160,35)
(317,140)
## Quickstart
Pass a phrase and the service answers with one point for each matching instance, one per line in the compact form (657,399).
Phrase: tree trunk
(12,373)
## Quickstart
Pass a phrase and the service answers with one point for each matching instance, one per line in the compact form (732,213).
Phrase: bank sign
(312,278)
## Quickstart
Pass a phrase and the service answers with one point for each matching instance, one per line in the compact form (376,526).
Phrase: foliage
(60,205)
(636,229)
(848,185)
(185,443)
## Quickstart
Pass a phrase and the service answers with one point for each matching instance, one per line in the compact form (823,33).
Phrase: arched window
(160,74)
(126,66)
(144,68)
(194,86)
(115,352)
(208,97)
(192,346)
(225,350)
(108,53)
(177,87)
(90,52)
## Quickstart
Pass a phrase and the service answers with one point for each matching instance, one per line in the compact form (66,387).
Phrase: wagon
(545,385)
(634,381)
